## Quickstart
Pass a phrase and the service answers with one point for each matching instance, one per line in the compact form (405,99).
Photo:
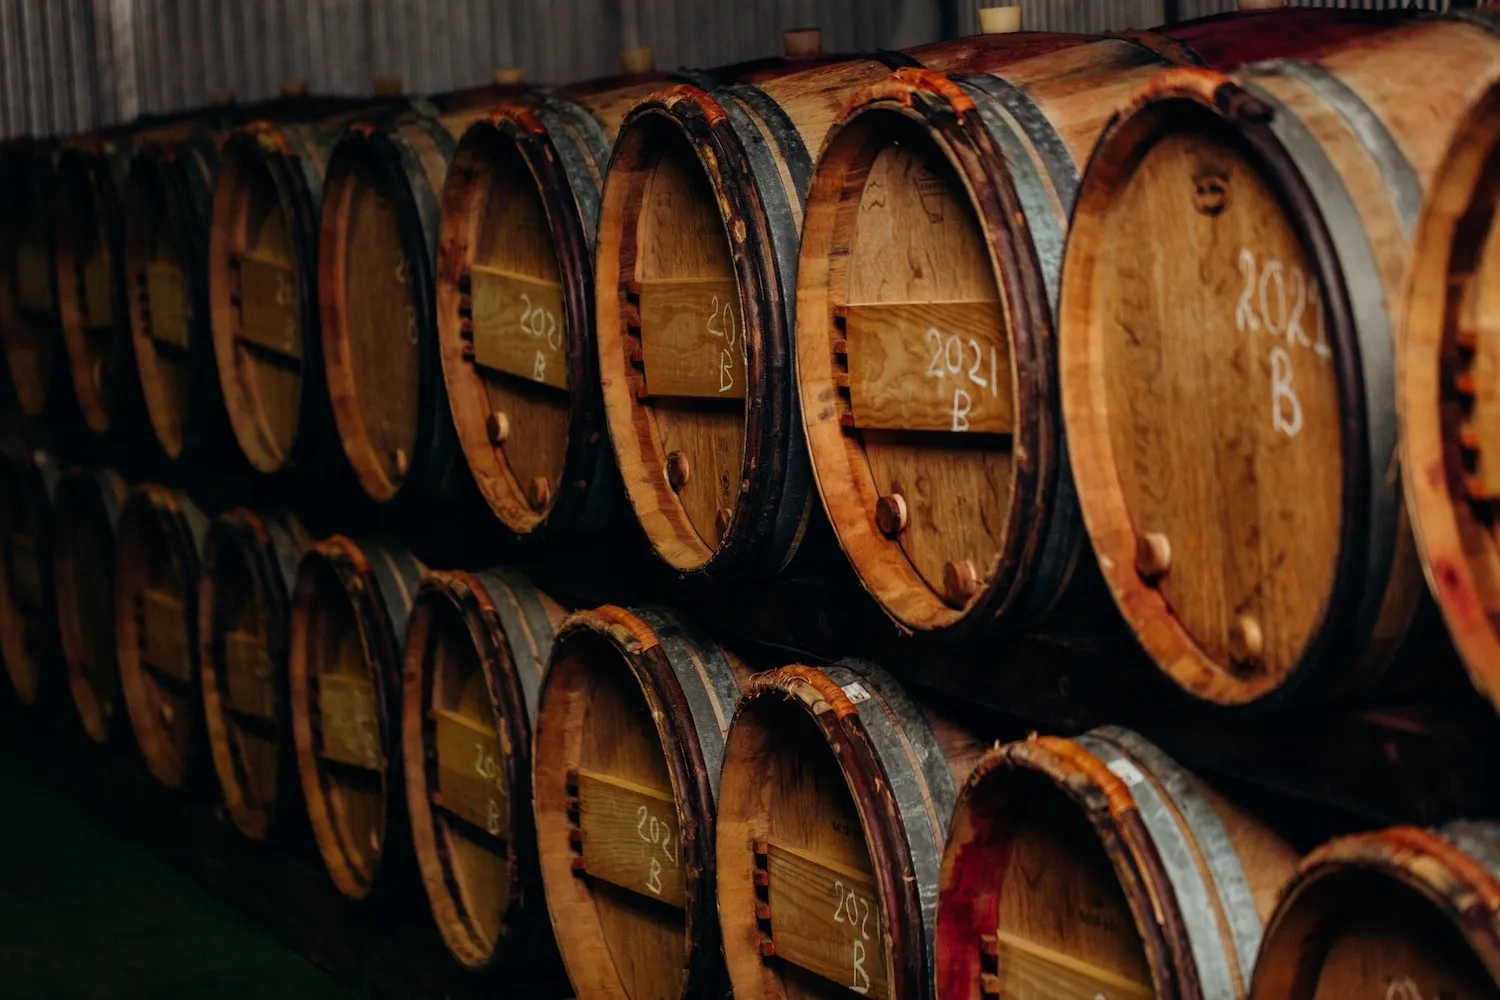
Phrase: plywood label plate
(520,326)
(470,777)
(692,338)
(631,837)
(350,727)
(1025,968)
(929,366)
(167,302)
(270,305)
(247,667)
(33,277)
(164,629)
(98,292)
(825,918)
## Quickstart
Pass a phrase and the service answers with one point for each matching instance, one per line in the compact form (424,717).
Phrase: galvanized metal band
(916,773)
(1188,888)
(426,200)
(1223,862)
(104,482)
(1400,179)
(585,159)
(786,240)
(528,630)
(286,547)
(196,521)
(1375,340)
(396,572)
(1479,840)
(707,682)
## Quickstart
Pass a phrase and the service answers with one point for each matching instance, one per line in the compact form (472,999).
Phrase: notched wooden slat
(350,725)
(270,305)
(33,279)
(520,326)
(826,919)
(692,338)
(98,291)
(1025,968)
(470,777)
(164,634)
(631,837)
(249,677)
(166,300)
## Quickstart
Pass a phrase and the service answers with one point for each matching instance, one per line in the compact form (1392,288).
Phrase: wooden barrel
(244,622)
(519,211)
(836,792)
(476,651)
(28,295)
(1448,425)
(86,516)
(349,613)
(168,204)
(158,542)
(28,618)
(629,739)
(1403,913)
(1098,866)
(1264,554)
(925,341)
(695,272)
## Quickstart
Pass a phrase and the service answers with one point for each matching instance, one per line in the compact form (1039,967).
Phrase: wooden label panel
(164,635)
(471,779)
(519,325)
(33,277)
(692,338)
(1027,969)
(929,366)
(98,293)
(631,837)
(25,573)
(167,301)
(826,919)
(351,729)
(248,671)
(270,305)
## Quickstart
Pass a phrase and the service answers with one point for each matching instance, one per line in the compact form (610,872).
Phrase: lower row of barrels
(680,825)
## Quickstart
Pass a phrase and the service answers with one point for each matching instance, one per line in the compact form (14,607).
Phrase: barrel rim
(98,492)
(1205,95)
(462,596)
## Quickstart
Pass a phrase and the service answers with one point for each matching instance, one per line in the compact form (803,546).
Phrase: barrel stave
(88,505)
(28,617)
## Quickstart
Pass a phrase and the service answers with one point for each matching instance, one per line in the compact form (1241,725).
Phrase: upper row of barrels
(1255,298)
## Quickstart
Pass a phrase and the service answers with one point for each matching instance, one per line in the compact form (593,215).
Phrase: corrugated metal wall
(70,65)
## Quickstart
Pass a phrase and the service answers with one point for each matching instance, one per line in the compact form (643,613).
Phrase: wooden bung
(244,624)
(349,612)
(1097,865)
(930,262)
(28,618)
(1291,191)
(158,543)
(1450,425)
(476,651)
(515,306)
(696,266)
(1403,913)
(34,361)
(833,810)
(86,516)
(630,733)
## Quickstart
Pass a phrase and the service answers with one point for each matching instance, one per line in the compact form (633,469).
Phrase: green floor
(85,915)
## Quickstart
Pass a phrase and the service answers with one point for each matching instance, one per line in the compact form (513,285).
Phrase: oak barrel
(244,625)
(29,333)
(1403,913)
(515,306)
(694,283)
(86,516)
(1447,394)
(158,543)
(629,739)
(1228,390)
(349,613)
(833,811)
(476,650)
(925,335)
(28,618)
(1097,865)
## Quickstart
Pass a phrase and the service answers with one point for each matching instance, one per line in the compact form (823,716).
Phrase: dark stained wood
(28,618)
(32,344)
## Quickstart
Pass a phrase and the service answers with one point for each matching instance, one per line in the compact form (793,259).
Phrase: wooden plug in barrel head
(476,651)
(157,557)
(28,618)
(28,294)
(1291,193)
(1099,866)
(85,520)
(516,305)
(1403,913)
(88,247)
(833,809)
(1450,412)
(350,608)
(629,733)
(376,245)
(244,622)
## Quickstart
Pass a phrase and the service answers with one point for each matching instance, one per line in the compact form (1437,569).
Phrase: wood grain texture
(270,309)
(249,675)
(166,297)
(520,326)
(470,783)
(350,732)
(692,338)
(164,628)
(631,836)
(824,918)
